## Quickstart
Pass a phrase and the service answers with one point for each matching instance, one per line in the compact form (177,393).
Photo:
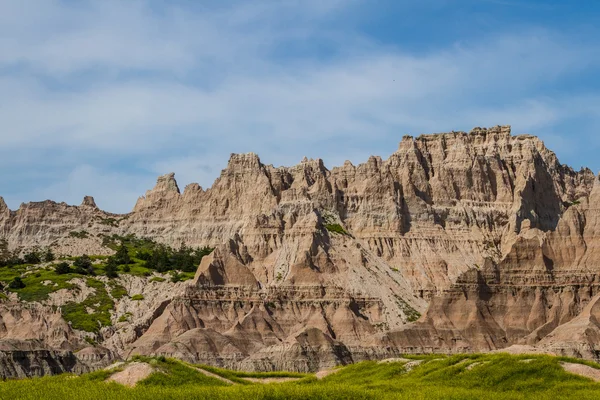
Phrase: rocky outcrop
(33,322)
(484,233)
(24,359)
(542,293)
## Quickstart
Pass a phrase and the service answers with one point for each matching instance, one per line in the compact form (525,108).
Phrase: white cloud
(111,190)
(113,93)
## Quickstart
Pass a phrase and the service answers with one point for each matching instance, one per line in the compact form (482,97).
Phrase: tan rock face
(36,322)
(485,233)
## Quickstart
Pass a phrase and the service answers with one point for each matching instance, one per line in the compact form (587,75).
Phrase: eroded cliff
(485,233)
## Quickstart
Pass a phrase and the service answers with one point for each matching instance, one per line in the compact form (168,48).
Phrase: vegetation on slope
(37,274)
(94,312)
(497,376)
(331,224)
(148,254)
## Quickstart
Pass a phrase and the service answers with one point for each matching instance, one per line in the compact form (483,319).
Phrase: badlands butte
(458,242)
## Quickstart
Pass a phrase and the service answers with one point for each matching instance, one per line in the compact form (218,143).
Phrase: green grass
(181,276)
(34,289)
(336,228)
(7,274)
(117,291)
(237,376)
(157,279)
(174,373)
(497,376)
(411,314)
(99,303)
(137,297)
(138,269)
(125,317)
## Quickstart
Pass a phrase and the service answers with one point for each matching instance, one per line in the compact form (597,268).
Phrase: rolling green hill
(498,376)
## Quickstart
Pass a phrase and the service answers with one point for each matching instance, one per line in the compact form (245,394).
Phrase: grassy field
(497,376)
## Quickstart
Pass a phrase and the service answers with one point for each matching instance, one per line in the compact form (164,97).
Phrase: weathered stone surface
(484,233)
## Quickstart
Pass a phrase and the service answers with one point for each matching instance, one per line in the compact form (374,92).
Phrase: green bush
(62,268)
(124,317)
(110,269)
(49,256)
(16,283)
(32,258)
(83,265)
(122,255)
(137,297)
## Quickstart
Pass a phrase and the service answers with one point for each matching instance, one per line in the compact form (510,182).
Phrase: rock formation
(484,233)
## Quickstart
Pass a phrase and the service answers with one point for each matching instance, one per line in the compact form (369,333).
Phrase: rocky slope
(485,233)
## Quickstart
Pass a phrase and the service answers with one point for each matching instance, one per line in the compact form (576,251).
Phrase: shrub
(32,258)
(83,265)
(79,235)
(111,268)
(108,221)
(137,297)
(49,255)
(16,283)
(124,317)
(62,268)
(143,255)
(122,255)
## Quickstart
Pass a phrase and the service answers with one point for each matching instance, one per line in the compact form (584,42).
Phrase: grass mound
(495,376)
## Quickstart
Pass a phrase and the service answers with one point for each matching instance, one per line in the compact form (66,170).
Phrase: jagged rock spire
(88,201)
(167,183)
(3,207)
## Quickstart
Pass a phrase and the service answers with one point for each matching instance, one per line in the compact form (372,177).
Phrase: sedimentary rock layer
(484,233)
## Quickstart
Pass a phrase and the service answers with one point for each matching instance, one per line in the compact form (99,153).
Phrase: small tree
(62,268)
(49,255)
(83,265)
(111,268)
(32,258)
(122,255)
(4,252)
(16,283)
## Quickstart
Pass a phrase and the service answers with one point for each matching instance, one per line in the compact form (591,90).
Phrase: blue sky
(100,97)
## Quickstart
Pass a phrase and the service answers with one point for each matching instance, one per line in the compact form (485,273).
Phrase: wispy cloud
(104,96)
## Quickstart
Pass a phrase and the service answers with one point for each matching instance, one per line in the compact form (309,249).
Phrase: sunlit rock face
(484,233)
